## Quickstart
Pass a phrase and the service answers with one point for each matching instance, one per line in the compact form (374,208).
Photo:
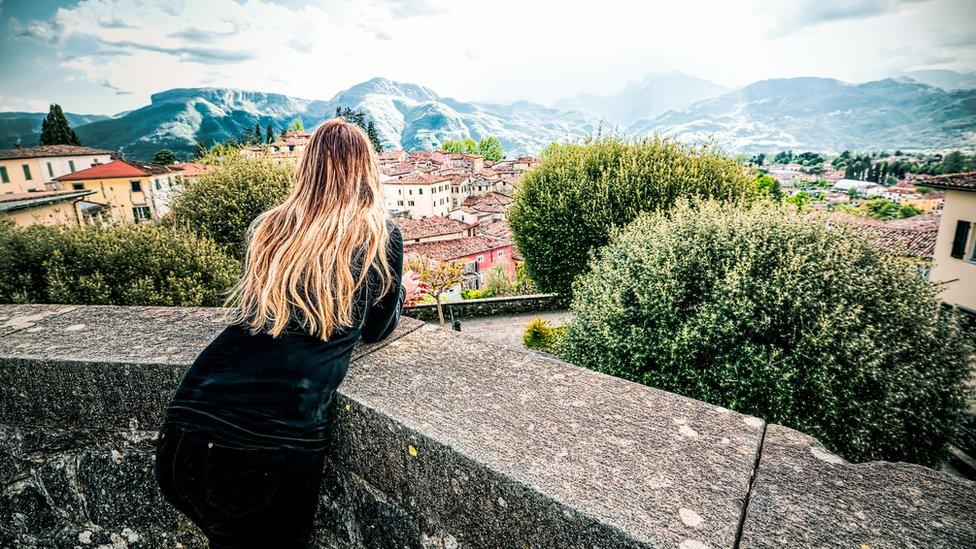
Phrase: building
(43,207)
(861,188)
(483,252)
(912,238)
(125,192)
(36,169)
(955,247)
(419,195)
(434,229)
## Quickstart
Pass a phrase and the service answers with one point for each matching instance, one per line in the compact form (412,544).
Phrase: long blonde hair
(308,256)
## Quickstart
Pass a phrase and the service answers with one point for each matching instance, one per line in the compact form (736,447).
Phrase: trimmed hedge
(788,318)
(113,265)
(568,205)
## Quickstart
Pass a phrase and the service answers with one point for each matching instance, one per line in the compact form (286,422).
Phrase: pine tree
(258,139)
(374,136)
(271,136)
(55,129)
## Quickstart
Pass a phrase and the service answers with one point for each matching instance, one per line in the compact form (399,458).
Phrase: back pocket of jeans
(239,481)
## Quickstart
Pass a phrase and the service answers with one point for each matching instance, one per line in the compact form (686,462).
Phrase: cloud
(189,53)
(48,32)
(116,89)
(115,22)
(201,35)
(964,39)
(410,8)
(808,13)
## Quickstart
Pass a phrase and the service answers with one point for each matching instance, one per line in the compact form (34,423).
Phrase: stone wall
(492,306)
(434,449)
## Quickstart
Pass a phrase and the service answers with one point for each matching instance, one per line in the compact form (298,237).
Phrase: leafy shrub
(471,293)
(569,204)
(540,334)
(781,316)
(117,265)
(223,202)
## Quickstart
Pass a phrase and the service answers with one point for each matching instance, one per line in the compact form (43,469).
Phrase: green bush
(470,293)
(781,316)
(568,205)
(115,265)
(541,335)
(222,204)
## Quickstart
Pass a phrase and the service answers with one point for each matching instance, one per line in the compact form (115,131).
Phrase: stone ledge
(491,306)
(441,440)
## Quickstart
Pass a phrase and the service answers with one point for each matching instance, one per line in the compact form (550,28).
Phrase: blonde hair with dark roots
(308,256)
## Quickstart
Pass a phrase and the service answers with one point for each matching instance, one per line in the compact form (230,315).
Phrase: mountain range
(817,114)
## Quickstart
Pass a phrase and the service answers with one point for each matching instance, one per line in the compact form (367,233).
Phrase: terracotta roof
(115,170)
(191,169)
(495,229)
(46,151)
(446,250)
(427,227)
(493,202)
(417,179)
(911,237)
(956,181)
(391,155)
(19,201)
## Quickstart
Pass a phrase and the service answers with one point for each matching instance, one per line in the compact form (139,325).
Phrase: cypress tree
(271,136)
(257,133)
(55,129)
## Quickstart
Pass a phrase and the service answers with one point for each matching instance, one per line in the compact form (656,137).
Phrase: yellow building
(43,208)
(35,169)
(955,246)
(125,192)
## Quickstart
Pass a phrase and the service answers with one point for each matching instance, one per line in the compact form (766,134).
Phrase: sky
(108,56)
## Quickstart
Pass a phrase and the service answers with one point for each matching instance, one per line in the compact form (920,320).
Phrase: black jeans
(240,497)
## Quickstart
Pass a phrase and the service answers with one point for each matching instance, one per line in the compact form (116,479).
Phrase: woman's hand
(415,288)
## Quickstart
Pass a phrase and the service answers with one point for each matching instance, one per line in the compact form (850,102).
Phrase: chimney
(18,146)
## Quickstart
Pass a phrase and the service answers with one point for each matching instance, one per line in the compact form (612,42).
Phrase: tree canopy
(55,129)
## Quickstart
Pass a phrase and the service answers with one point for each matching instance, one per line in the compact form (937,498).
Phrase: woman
(241,447)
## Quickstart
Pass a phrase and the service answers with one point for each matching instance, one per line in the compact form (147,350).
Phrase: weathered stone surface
(654,467)
(14,318)
(804,496)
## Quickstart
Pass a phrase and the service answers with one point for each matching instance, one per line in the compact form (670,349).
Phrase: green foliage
(881,208)
(358,117)
(801,200)
(222,203)
(114,265)
(524,285)
(491,149)
(568,205)
(540,334)
(296,125)
(164,157)
(470,293)
(497,282)
(269,134)
(55,129)
(768,186)
(782,316)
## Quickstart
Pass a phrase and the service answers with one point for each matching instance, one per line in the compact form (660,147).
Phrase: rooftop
(115,170)
(20,201)
(911,237)
(951,182)
(429,227)
(447,250)
(46,151)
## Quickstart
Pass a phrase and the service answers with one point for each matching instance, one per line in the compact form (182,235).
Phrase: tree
(142,264)
(497,282)
(460,146)
(296,125)
(801,200)
(164,157)
(258,138)
(569,204)
(768,186)
(490,148)
(55,129)
(442,276)
(270,136)
(222,203)
(786,317)
(359,118)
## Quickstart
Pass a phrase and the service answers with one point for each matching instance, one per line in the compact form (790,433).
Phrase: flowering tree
(442,276)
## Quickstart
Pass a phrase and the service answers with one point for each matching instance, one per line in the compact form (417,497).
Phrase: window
(141,213)
(136,185)
(3,174)
(27,174)
(960,239)
(78,186)
(480,259)
(71,165)
(410,192)
(158,186)
(410,203)
(50,169)
(501,253)
(399,203)
(420,191)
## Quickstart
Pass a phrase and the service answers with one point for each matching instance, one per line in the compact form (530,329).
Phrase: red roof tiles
(115,170)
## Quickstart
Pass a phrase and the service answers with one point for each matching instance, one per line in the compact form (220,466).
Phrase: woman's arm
(383,315)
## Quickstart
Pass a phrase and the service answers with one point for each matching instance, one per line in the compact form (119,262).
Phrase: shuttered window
(959,239)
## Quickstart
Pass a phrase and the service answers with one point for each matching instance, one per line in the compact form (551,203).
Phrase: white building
(419,195)
(34,169)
